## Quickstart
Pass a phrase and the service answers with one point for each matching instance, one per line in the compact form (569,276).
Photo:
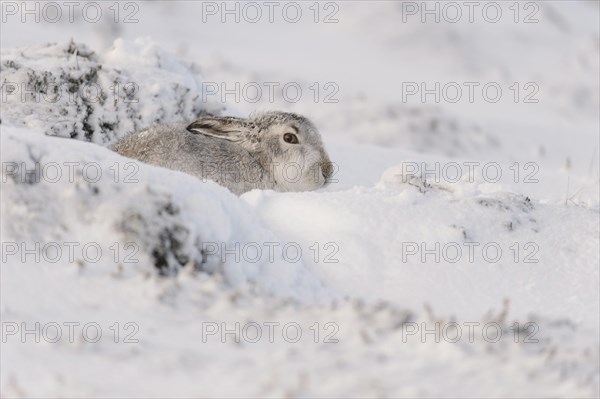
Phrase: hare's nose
(327,169)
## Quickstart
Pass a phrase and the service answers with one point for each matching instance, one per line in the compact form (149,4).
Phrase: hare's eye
(290,138)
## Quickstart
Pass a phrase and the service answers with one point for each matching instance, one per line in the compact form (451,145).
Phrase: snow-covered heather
(518,255)
(67,90)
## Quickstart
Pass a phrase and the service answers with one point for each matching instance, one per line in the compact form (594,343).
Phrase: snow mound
(58,191)
(411,241)
(68,90)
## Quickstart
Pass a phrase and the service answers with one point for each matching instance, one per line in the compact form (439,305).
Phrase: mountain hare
(273,150)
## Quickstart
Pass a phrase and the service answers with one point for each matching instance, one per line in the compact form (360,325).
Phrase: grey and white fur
(280,151)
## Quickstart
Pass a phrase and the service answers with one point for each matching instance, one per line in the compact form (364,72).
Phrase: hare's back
(155,144)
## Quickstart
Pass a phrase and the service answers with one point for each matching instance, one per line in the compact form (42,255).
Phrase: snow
(81,95)
(190,272)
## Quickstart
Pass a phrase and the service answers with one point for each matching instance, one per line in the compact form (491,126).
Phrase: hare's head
(287,145)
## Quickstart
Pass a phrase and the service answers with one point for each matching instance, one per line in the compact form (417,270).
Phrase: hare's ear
(223,127)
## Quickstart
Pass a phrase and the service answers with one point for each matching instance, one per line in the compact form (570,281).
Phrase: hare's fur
(239,153)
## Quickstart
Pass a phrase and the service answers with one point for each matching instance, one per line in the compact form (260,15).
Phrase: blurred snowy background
(353,68)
